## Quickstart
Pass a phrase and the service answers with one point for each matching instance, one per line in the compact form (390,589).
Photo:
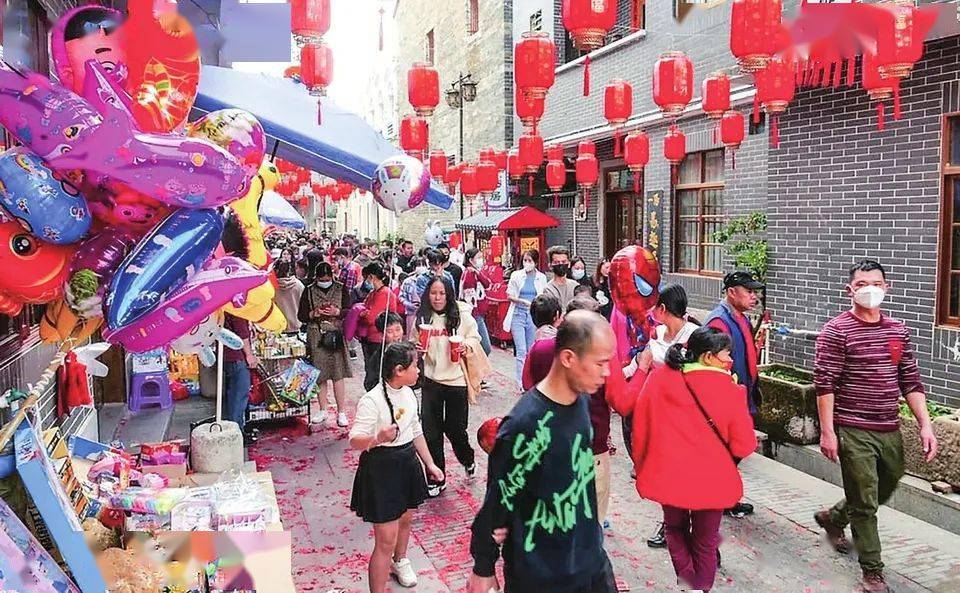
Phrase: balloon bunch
(113,208)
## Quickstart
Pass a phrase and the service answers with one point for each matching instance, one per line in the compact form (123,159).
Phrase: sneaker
(471,470)
(434,490)
(318,417)
(403,571)
(835,534)
(249,439)
(342,420)
(353,354)
(873,582)
(658,540)
(739,510)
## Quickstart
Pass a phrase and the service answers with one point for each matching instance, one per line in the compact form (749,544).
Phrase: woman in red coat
(379,300)
(690,425)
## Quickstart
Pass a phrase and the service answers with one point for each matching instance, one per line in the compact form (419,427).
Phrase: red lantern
(755,27)
(674,146)
(452,177)
(496,246)
(469,184)
(554,152)
(588,21)
(514,165)
(617,108)
(587,173)
(673,83)
(309,19)
(586,147)
(879,88)
(716,95)
(556,175)
(423,88)
(316,71)
(414,136)
(529,109)
(776,85)
(500,159)
(486,154)
(488,178)
(636,154)
(531,151)
(304,202)
(901,29)
(438,165)
(732,132)
(535,58)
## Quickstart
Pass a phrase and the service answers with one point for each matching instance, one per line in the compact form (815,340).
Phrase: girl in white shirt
(389,483)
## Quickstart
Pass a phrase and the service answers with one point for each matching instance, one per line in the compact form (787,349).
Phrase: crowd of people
(688,399)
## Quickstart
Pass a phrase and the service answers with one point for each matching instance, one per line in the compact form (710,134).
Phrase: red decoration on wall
(452,177)
(535,58)
(500,159)
(514,165)
(636,154)
(755,32)
(617,108)
(414,136)
(423,88)
(673,83)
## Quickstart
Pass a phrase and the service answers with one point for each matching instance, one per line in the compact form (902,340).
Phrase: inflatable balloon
(102,253)
(487,434)
(60,323)
(201,339)
(161,262)
(88,33)
(400,183)
(243,236)
(258,306)
(236,131)
(116,206)
(635,282)
(219,282)
(433,236)
(96,135)
(44,202)
(164,62)
(33,271)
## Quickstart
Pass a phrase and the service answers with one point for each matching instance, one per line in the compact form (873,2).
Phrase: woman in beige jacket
(444,396)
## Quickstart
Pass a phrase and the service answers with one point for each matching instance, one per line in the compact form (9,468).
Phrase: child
(391,326)
(389,483)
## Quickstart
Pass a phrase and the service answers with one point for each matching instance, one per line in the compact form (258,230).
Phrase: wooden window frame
(948,173)
(677,219)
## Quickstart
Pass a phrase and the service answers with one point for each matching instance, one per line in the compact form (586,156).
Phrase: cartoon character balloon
(434,234)
(88,33)
(635,284)
(202,339)
(236,131)
(400,183)
(243,235)
(116,206)
(33,271)
(487,434)
(44,202)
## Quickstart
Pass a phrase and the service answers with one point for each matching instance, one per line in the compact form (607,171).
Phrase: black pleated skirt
(389,482)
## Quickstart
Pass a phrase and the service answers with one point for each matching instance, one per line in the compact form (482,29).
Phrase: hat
(740,278)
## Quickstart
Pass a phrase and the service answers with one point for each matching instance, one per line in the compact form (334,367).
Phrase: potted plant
(788,408)
(946,426)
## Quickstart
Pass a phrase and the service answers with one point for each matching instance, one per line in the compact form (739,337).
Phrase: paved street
(777,549)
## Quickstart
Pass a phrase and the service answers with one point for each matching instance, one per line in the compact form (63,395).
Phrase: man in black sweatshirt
(541,480)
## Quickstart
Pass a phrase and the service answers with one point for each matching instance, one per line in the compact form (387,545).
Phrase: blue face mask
(367,285)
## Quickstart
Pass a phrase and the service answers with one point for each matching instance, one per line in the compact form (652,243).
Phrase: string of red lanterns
(755,32)
(588,22)
(617,108)
(414,136)
(309,22)
(636,155)
(776,86)
(423,88)
(587,169)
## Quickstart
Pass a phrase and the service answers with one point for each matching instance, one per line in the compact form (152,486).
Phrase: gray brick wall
(839,191)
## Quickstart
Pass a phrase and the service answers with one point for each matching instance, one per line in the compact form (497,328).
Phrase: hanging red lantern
(452,178)
(588,22)
(495,246)
(755,28)
(309,19)
(486,154)
(500,159)
(535,58)
(716,95)
(316,71)
(556,173)
(529,109)
(617,108)
(732,133)
(423,88)
(554,152)
(901,30)
(636,155)
(587,147)
(673,83)
(438,165)
(514,165)
(304,202)
(469,184)
(674,150)
(414,136)
(879,88)
(587,173)
(776,85)
(531,151)
(488,178)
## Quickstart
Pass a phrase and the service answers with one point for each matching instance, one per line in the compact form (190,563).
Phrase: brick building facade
(460,37)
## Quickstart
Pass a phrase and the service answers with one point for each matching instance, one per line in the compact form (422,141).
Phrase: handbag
(711,423)
(331,339)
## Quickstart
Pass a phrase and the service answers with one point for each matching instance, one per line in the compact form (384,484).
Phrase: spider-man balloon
(635,283)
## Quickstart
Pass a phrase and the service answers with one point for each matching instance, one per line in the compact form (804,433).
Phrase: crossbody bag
(710,422)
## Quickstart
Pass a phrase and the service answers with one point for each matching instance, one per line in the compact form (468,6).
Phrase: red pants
(692,539)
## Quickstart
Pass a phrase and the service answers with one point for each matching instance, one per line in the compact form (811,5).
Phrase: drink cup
(456,348)
(425,330)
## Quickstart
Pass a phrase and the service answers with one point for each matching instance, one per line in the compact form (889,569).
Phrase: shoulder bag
(710,422)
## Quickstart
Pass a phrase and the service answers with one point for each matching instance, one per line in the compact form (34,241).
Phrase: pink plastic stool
(149,390)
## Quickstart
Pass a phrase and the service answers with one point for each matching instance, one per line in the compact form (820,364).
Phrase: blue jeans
(524,334)
(236,391)
(484,334)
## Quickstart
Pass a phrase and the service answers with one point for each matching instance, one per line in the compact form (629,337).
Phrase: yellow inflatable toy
(244,238)
(60,323)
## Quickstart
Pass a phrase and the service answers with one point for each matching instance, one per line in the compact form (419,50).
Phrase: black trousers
(444,411)
(371,364)
(603,582)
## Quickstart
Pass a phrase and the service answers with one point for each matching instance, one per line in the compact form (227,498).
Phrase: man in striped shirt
(864,364)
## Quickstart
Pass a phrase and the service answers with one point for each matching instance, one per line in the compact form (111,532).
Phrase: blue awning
(275,210)
(345,147)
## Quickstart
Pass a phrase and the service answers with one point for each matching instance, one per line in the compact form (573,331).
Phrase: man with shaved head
(541,500)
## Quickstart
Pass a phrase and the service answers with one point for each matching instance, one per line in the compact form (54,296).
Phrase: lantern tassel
(381,30)
(530,185)
(616,143)
(586,200)
(636,182)
(879,116)
(319,113)
(586,76)
(733,159)
(774,132)
(486,207)
(756,108)
(850,69)
(556,200)
(837,67)
(896,100)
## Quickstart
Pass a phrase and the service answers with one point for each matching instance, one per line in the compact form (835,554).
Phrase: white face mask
(528,266)
(578,274)
(325,285)
(869,297)
(478,263)
(420,270)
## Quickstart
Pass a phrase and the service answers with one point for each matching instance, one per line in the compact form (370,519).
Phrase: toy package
(298,380)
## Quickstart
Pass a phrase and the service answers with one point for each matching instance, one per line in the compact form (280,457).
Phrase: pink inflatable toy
(88,33)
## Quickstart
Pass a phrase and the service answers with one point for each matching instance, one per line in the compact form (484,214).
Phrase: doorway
(623,212)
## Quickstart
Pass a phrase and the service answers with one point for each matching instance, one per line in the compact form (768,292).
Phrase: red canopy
(511,219)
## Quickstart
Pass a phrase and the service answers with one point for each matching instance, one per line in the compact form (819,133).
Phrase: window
(949,266)
(630,19)
(473,16)
(536,21)
(428,47)
(698,214)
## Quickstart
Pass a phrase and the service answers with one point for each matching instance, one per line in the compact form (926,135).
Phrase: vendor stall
(524,228)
